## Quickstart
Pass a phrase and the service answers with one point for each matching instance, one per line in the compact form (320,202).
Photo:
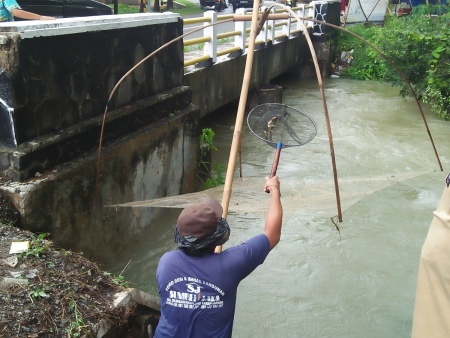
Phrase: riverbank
(51,292)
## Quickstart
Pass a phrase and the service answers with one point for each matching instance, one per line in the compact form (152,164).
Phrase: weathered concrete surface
(209,93)
(145,309)
(160,160)
(53,99)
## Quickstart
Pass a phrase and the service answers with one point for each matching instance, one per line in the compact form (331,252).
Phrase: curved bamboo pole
(325,108)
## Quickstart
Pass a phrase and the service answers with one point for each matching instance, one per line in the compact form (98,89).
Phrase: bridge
(280,47)
(82,127)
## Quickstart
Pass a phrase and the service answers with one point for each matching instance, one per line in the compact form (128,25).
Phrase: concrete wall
(69,203)
(56,78)
(210,94)
(55,81)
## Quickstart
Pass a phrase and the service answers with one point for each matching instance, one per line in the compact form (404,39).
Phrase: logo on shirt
(194,294)
(193,288)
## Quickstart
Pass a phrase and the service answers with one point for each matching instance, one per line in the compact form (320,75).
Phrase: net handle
(276,159)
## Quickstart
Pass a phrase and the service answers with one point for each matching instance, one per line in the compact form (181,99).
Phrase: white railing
(213,44)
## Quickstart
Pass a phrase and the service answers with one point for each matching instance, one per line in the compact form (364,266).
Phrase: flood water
(318,282)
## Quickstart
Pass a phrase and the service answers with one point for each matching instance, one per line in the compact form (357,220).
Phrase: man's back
(198,293)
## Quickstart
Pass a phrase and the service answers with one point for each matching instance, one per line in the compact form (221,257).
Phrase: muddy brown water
(318,282)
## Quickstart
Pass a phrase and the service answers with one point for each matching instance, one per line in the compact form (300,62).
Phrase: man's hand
(272,184)
(275,214)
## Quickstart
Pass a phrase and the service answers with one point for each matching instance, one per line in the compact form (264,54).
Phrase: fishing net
(281,126)
(278,123)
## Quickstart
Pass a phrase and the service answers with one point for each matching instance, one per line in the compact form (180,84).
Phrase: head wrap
(200,225)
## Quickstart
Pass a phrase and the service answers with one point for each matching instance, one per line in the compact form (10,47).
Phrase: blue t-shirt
(6,7)
(198,294)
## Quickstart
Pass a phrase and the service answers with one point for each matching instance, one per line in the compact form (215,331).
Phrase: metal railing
(213,44)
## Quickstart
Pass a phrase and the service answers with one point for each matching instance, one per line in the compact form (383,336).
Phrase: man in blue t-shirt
(197,286)
(10,9)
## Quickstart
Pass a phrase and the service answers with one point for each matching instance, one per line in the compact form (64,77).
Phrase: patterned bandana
(219,237)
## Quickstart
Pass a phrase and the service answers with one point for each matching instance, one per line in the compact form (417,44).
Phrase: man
(197,286)
(432,306)
(10,9)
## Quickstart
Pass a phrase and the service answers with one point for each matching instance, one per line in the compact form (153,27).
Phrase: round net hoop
(279,123)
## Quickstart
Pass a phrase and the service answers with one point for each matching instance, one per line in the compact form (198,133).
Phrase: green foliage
(207,140)
(437,9)
(40,292)
(214,176)
(37,248)
(366,64)
(118,280)
(67,252)
(439,104)
(194,48)
(126,9)
(418,44)
(77,328)
(189,8)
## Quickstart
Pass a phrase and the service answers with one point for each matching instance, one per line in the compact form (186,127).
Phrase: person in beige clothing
(432,307)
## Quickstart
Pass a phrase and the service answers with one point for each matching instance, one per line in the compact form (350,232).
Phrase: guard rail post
(301,14)
(241,26)
(286,29)
(309,13)
(273,27)
(262,36)
(210,47)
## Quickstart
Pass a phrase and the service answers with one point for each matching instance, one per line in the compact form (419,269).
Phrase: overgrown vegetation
(187,8)
(211,174)
(54,293)
(418,44)
(38,246)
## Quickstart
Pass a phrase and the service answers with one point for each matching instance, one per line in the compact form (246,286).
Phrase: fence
(217,44)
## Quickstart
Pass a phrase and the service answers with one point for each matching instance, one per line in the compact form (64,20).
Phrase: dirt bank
(50,292)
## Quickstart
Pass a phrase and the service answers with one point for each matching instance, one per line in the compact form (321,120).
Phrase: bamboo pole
(325,108)
(235,145)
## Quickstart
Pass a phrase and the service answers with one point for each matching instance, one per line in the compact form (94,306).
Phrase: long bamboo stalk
(325,109)
(235,145)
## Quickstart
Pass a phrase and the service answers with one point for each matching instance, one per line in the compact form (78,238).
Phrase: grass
(189,8)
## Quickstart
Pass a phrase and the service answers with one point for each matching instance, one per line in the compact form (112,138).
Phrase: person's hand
(43,17)
(272,185)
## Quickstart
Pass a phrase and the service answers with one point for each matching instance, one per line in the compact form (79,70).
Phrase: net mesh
(274,123)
